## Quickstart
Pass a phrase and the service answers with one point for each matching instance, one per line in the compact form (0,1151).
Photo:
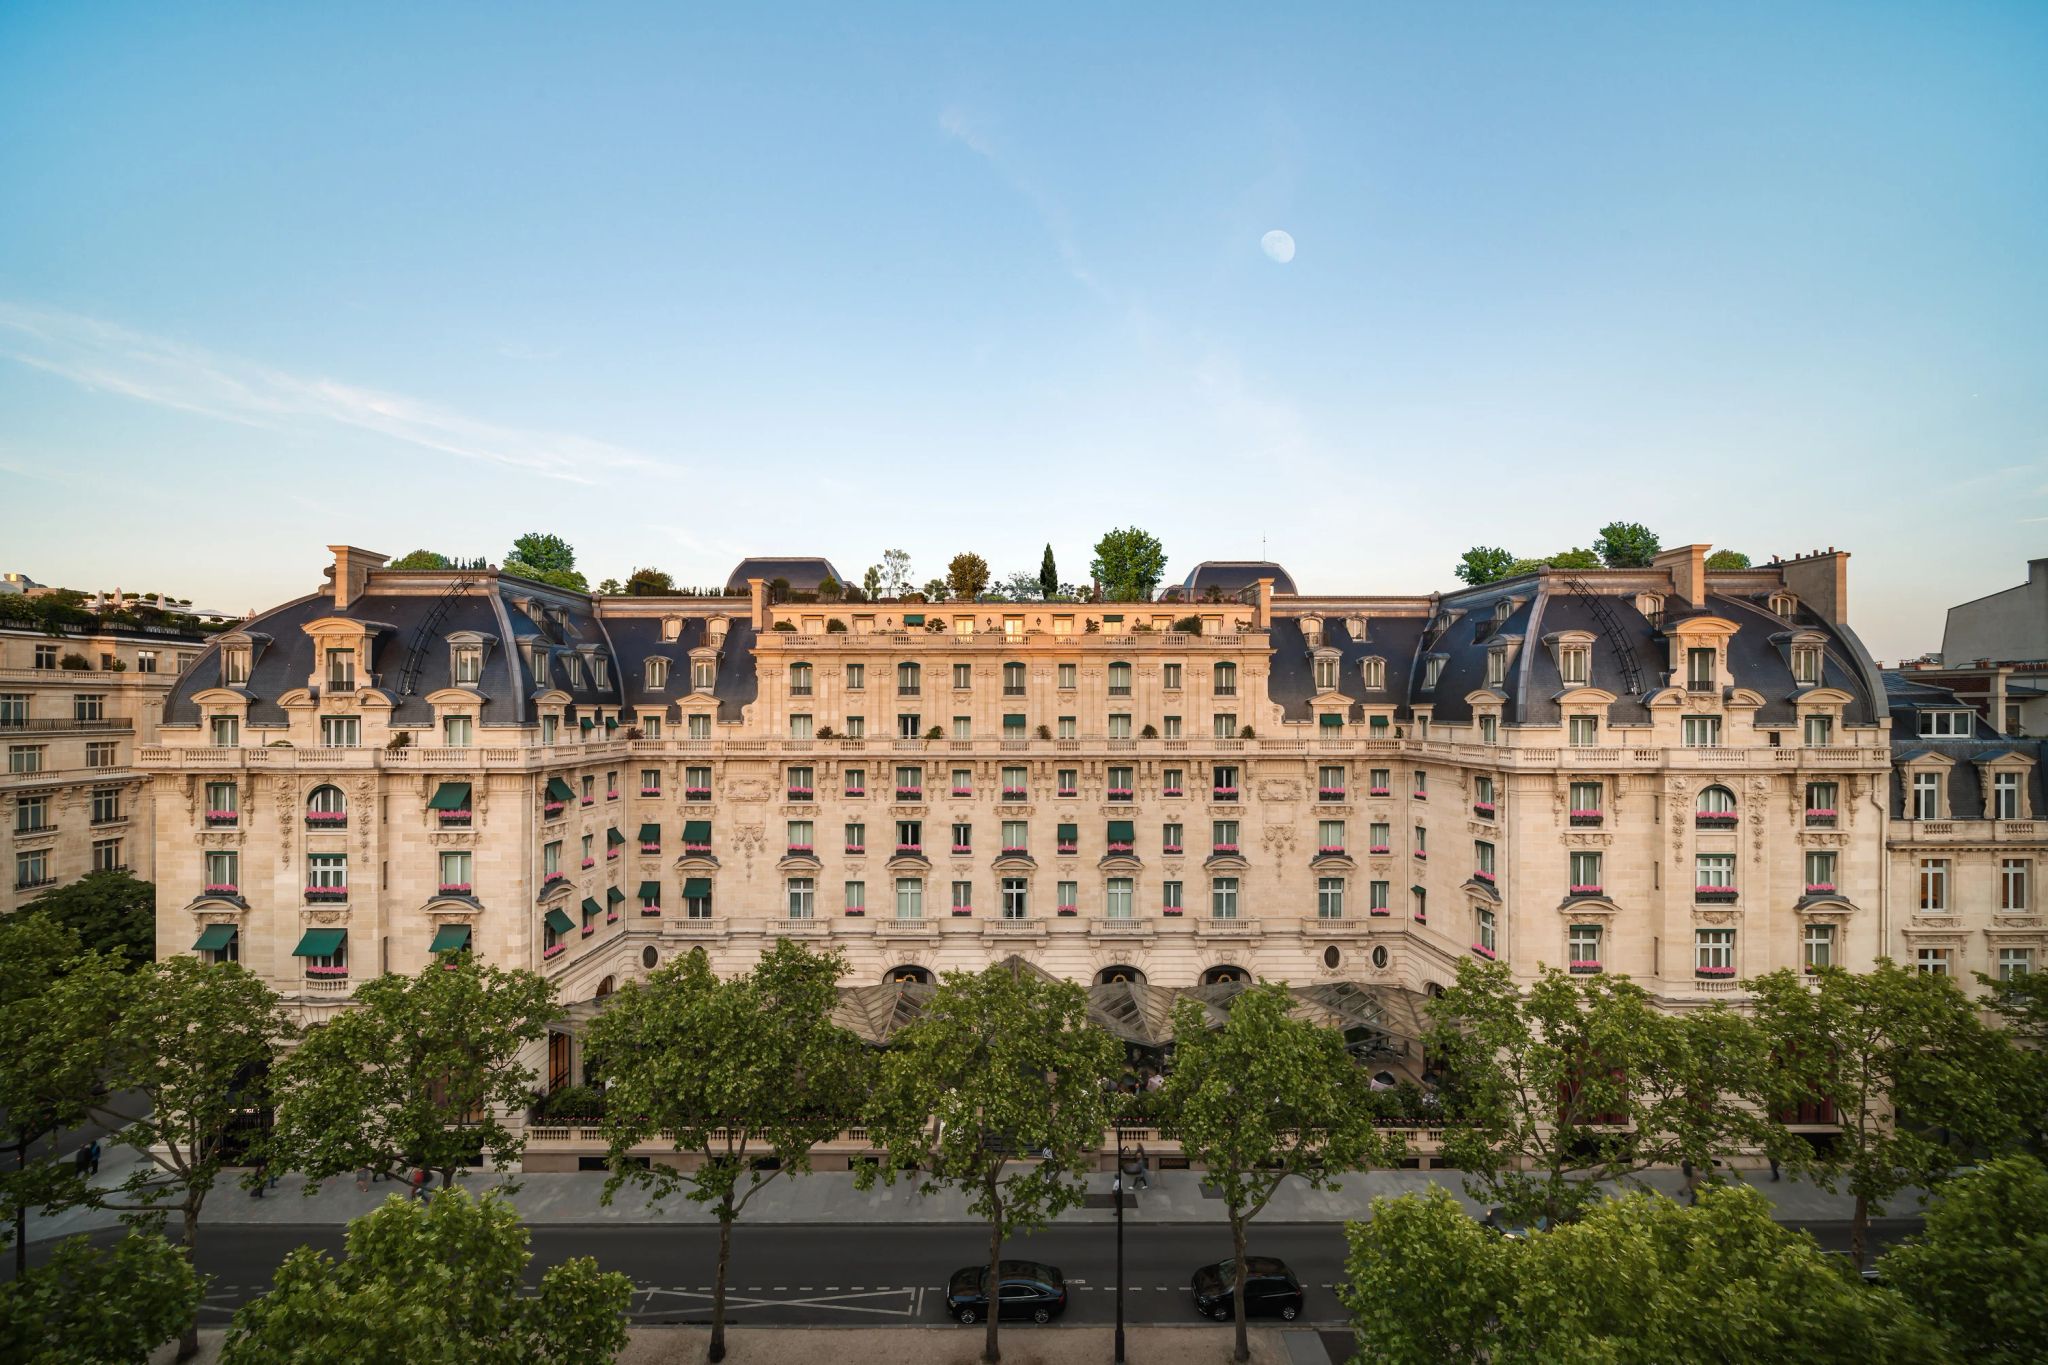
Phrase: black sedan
(1270,1289)
(1029,1290)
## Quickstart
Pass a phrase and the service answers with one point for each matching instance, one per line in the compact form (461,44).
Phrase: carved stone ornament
(1715,916)
(327,916)
(1279,789)
(218,838)
(1278,840)
(451,838)
(746,789)
(1588,839)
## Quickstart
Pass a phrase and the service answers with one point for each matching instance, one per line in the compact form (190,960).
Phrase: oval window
(1379,957)
(648,957)
(1331,957)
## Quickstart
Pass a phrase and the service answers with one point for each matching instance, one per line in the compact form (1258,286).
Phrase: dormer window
(703,675)
(1502,610)
(537,663)
(1926,797)
(1948,724)
(1651,605)
(671,627)
(1326,673)
(1806,665)
(1819,731)
(1699,670)
(469,665)
(234,665)
(1784,605)
(1575,664)
(341,670)
(1375,670)
(575,663)
(657,673)
(1354,626)
(1432,669)
(1496,667)
(600,670)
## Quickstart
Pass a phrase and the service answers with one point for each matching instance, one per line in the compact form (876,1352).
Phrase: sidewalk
(1175,1197)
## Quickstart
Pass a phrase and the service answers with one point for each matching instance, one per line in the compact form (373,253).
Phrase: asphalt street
(877,1276)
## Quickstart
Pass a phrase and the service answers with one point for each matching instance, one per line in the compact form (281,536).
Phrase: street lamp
(1117,1187)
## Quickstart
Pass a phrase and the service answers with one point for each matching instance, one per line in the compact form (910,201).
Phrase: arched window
(1715,800)
(1218,976)
(606,987)
(327,804)
(1117,976)
(909,975)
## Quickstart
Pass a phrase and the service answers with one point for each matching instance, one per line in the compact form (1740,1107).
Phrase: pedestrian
(363,1179)
(1774,1168)
(1132,1176)
(81,1164)
(95,1150)
(419,1182)
(262,1180)
(1144,1169)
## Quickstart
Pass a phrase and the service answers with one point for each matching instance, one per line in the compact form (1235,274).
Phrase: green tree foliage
(731,1071)
(830,589)
(2022,1003)
(49,1075)
(609,588)
(1263,1098)
(1002,1064)
(1898,1053)
(420,559)
(1048,575)
(649,583)
(110,910)
(1980,1269)
(936,589)
(1484,564)
(1128,564)
(1727,559)
(1022,586)
(1577,558)
(896,572)
(967,575)
(545,558)
(1583,1079)
(438,1282)
(1626,545)
(196,1041)
(421,1072)
(90,1307)
(1641,1280)
(871,582)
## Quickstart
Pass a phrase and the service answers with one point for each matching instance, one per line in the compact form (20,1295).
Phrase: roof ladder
(422,638)
(1624,652)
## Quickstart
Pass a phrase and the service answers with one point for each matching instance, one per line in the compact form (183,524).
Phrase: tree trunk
(1859,1224)
(188,1343)
(718,1284)
(1243,1351)
(20,1213)
(993,1290)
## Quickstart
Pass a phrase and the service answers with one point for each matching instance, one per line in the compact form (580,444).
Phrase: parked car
(1270,1289)
(1029,1290)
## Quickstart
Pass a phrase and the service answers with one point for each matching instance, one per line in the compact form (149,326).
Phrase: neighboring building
(17,584)
(73,708)
(2006,627)
(1617,770)
(802,573)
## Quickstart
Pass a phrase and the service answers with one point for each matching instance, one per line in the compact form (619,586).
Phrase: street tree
(1727,559)
(745,1075)
(423,1071)
(1626,545)
(1908,1070)
(545,558)
(194,1043)
(1048,575)
(420,559)
(49,1075)
(896,572)
(1128,564)
(649,583)
(1484,564)
(1450,1277)
(2022,1002)
(1980,1268)
(110,909)
(100,1306)
(1264,1098)
(995,1090)
(967,575)
(1583,1079)
(433,1282)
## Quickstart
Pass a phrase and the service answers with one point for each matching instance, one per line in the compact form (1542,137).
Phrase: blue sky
(688,283)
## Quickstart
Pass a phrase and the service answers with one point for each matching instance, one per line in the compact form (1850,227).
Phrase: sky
(687,283)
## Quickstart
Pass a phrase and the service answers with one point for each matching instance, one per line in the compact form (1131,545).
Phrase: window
(800,836)
(2005,796)
(1382,781)
(1117,894)
(547,729)
(703,675)
(1326,673)
(1489,729)
(1223,836)
(455,731)
(1585,871)
(223,872)
(589,785)
(1582,732)
(909,680)
(100,754)
(1376,897)
(31,813)
(650,724)
(910,836)
(1069,780)
(24,758)
(1421,904)
(1587,803)
(963,897)
(1119,680)
(1956,724)
(469,666)
(1120,784)
(1170,677)
(1382,836)
(1067,676)
(963,780)
(1699,670)
(1926,796)
(856,727)
(88,706)
(1699,732)
(326,872)
(1806,664)
(1225,777)
(1329,898)
(1120,725)
(106,805)
(1820,871)
(963,625)
(1421,841)
(963,837)
(856,898)
(1716,803)
(13,708)
(1482,859)
(32,868)
(340,732)
(600,670)
(234,665)
(1375,674)
(1069,895)
(1432,669)
(1714,873)
(1013,627)
(1583,947)
(106,855)
(1496,667)
(1817,947)
(1170,897)
(1933,885)
(1329,836)
(963,727)
(1820,731)
(1484,931)
(326,805)
(803,899)
(1713,952)
(1820,802)
(1170,835)
(1933,961)
(856,677)
(2014,963)
(551,858)
(697,784)
(1223,898)
(1223,725)
(1226,679)
(856,836)
(963,677)
(574,663)
(2012,883)
(1574,664)
(907,725)
(1016,836)
(227,732)
(1013,679)
(1016,893)
(800,726)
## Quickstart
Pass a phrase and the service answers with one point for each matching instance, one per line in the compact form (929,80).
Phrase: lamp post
(1118,1187)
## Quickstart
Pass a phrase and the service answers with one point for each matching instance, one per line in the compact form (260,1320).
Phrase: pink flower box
(611,917)
(221,889)
(1483,808)
(591,862)
(1585,967)
(555,951)
(1069,848)
(1422,853)
(1380,848)
(1009,793)
(650,848)
(587,801)
(1068,792)
(966,791)
(1224,848)
(1330,851)
(1713,890)
(1119,793)
(1170,848)
(799,793)
(551,808)
(1169,791)
(1378,791)
(1171,911)
(1069,910)
(326,817)
(696,848)
(1422,917)
(326,893)
(910,793)
(856,791)
(1713,971)
(1820,888)
(554,879)
(455,888)
(960,849)
(800,850)
(856,848)
(1585,888)
(1484,952)
(589,929)
(856,911)
(326,971)
(963,909)
(1330,793)
(1814,813)
(223,817)
(1422,796)
(695,793)
(910,848)
(650,791)
(1226,793)
(454,817)
(1486,877)
(1009,852)
(612,795)
(647,908)
(1380,910)
(1714,817)
(611,855)
(1121,848)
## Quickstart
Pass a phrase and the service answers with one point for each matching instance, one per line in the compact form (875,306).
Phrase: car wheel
(1288,1312)
(1220,1314)
(969,1316)
(1041,1315)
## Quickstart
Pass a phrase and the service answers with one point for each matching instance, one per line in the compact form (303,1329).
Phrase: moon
(1278,245)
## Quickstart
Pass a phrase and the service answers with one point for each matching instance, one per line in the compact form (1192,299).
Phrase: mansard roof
(802,572)
(1232,576)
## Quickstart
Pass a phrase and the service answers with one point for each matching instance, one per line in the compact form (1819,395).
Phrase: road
(787,1275)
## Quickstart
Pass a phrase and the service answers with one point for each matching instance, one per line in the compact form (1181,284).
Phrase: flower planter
(696,850)
(1379,791)
(1379,913)
(1714,973)
(1170,791)
(650,791)
(1225,793)
(1713,894)
(1119,793)
(611,855)
(329,973)
(962,851)
(589,929)
(1171,912)
(1422,853)
(217,818)
(1582,818)
(1486,877)
(555,951)
(221,889)
(589,863)
(611,796)
(1585,968)
(910,793)
(1483,809)
(1484,952)
(587,801)
(326,894)
(455,888)
(1422,919)
(856,791)
(1121,848)
(855,912)
(1586,889)
(799,851)
(799,793)
(1329,793)
(647,909)
(551,809)
(1016,853)
(1009,794)
(1224,848)
(856,849)
(611,917)
(1714,819)
(454,817)
(1067,850)
(1820,888)
(1069,910)
(1171,848)
(914,850)
(326,822)
(695,793)
(650,848)
(961,910)
(1380,848)
(1330,851)
(1422,796)
(553,879)
(1820,819)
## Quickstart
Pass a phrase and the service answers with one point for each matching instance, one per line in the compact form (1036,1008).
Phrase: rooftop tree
(1048,575)
(1263,1098)
(995,1090)
(1128,564)
(871,582)
(649,583)
(1484,564)
(1727,559)
(545,558)
(423,1071)
(967,575)
(1626,545)
(744,1075)
(420,559)
(896,572)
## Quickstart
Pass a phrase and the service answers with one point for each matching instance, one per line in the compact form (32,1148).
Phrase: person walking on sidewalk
(362,1179)
(419,1182)
(95,1150)
(81,1165)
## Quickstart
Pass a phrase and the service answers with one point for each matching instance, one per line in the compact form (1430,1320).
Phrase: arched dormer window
(1375,671)
(657,672)
(327,805)
(1650,604)
(671,628)
(1327,664)
(1784,605)
(1715,807)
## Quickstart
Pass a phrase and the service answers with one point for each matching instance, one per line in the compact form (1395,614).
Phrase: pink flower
(1585,888)
(555,951)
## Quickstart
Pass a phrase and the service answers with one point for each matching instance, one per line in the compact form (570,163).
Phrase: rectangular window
(1170,897)
(800,727)
(1223,725)
(145,661)
(1482,859)
(1933,961)
(963,897)
(696,784)
(455,872)
(1170,837)
(1496,667)
(1069,781)
(1223,898)
(227,732)
(1170,727)
(455,732)
(1820,731)
(1699,670)
(1582,732)
(910,836)
(1016,898)
(13,708)
(2005,796)
(1714,872)
(909,898)
(1806,665)
(1329,898)
(2014,963)
(1013,680)
(1699,732)
(1329,836)
(1421,841)
(1223,836)
(32,868)
(803,898)
(1119,680)
(856,677)
(106,855)
(1170,677)
(1016,836)
(1066,727)
(106,805)
(1714,952)
(703,675)
(856,898)
(963,782)
(1014,726)
(101,754)
(909,781)
(1068,679)
(1582,948)
(1382,837)
(1820,872)
(1572,665)
(1585,872)
(856,836)
(340,732)
(963,837)
(223,872)
(1117,896)
(1933,885)
(327,872)
(1069,895)
(1378,724)
(223,803)
(31,813)
(650,724)
(2012,883)
(963,677)
(1926,796)
(1376,897)
(1120,784)
(86,706)
(551,857)
(1818,946)
(799,836)
(1948,724)
(1224,779)
(907,725)
(1489,730)
(1226,679)
(963,727)
(800,680)
(1484,931)
(1120,725)
(1330,782)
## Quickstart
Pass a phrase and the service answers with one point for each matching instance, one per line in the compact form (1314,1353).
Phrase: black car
(1029,1290)
(1270,1289)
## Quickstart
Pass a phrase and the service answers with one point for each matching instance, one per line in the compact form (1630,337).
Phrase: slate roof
(804,572)
(1233,576)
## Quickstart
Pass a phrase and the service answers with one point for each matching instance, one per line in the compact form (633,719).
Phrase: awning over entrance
(320,943)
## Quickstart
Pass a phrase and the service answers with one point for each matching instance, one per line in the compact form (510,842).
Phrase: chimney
(1262,611)
(1821,580)
(1687,565)
(757,589)
(352,567)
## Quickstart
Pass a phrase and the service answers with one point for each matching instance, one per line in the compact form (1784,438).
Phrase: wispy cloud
(961,126)
(171,374)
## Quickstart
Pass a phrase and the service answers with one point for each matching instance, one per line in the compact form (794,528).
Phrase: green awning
(560,922)
(321,943)
(1069,833)
(1013,720)
(558,790)
(450,796)
(650,834)
(611,722)
(1419,890)
(214,938)
(697,888)
(650,893)
(1333,720)
(588,724)
(1122,832)
(1118,617)
(696,831)
(913,618)
(612,838)
(614,896)
(450,938)
(591,907)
